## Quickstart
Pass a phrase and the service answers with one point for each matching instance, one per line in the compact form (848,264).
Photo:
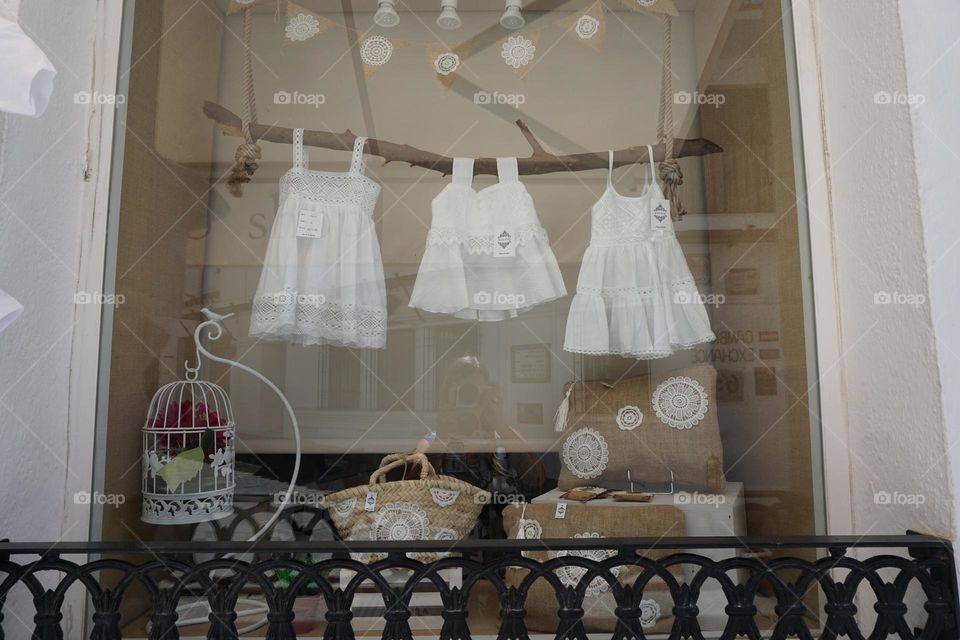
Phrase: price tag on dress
(309,224)
(504,243)
(660,214)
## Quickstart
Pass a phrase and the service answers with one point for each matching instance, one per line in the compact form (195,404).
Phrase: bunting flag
(303,24)
(519,51)
(652,6)
(447,62)
(376,51)
(238,5)
(588,27)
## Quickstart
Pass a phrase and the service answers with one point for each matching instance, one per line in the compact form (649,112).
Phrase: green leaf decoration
(186,466)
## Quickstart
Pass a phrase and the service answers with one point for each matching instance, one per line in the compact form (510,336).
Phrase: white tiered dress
(461,273)
(635,295)
(322,279)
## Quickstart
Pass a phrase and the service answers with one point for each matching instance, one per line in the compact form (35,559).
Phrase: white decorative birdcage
(188,452)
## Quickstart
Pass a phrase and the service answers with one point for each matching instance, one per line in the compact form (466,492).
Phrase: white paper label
(309,224)
(561,511)
(504,243)
(370,504)
(660,214)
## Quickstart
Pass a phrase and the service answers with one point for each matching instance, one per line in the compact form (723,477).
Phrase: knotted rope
(247,157)
(670,171)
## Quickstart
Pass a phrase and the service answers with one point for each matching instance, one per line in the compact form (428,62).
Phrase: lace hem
(647,354)
(613,292)
(302,318)
(481,244)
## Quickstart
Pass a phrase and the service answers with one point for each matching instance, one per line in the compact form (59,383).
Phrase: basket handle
(394,460)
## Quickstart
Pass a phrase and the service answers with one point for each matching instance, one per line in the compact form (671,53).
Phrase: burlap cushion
(583,521)
(640,429)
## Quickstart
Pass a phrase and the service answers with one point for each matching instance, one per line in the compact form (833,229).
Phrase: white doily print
(400,521)
(517,51)
(443,497)
(649,613)
(680,402)
(529,529)
(446,534)
(446,63)
(302,27)
(585,453)
(571,576)
(586,27)
(344,508)
(629,417)
(376,51)
(646,3)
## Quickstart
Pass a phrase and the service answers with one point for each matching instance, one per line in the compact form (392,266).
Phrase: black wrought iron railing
(861,587)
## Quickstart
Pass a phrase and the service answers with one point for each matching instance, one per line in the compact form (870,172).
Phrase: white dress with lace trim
(324,286)
(635,295)
(460,273)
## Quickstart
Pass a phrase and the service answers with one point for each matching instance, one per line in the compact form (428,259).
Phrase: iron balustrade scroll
(847,570)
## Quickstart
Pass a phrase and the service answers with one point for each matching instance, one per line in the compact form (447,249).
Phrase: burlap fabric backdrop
(647,426)
(585,520)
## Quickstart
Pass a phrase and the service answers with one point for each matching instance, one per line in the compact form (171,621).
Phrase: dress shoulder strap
(507,170)
(610,169)
(357,164)
(299,153)
(653,169)
(463,171)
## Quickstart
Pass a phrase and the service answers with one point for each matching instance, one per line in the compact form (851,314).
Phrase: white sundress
(322,279)
(635,295)
(487,257)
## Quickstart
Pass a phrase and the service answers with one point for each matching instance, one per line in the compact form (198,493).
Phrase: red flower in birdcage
(187,415)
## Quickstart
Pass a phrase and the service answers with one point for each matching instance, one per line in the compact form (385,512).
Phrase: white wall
(42,199)
(933,66)
(890,421)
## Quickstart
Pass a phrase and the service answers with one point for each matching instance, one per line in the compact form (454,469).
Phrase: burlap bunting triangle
(303,24)
(519,51)
(652,6)
(588,27)
(447,62)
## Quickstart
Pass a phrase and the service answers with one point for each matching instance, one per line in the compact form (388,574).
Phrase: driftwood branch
(539,162)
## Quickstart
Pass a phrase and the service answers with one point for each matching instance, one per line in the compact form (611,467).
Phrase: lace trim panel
(281,313)
(331,188)
(481,244)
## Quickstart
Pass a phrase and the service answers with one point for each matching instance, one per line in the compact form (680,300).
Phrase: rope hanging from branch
(670,171)
(247,157)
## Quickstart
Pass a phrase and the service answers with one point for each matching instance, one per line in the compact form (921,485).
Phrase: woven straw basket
(434,507)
